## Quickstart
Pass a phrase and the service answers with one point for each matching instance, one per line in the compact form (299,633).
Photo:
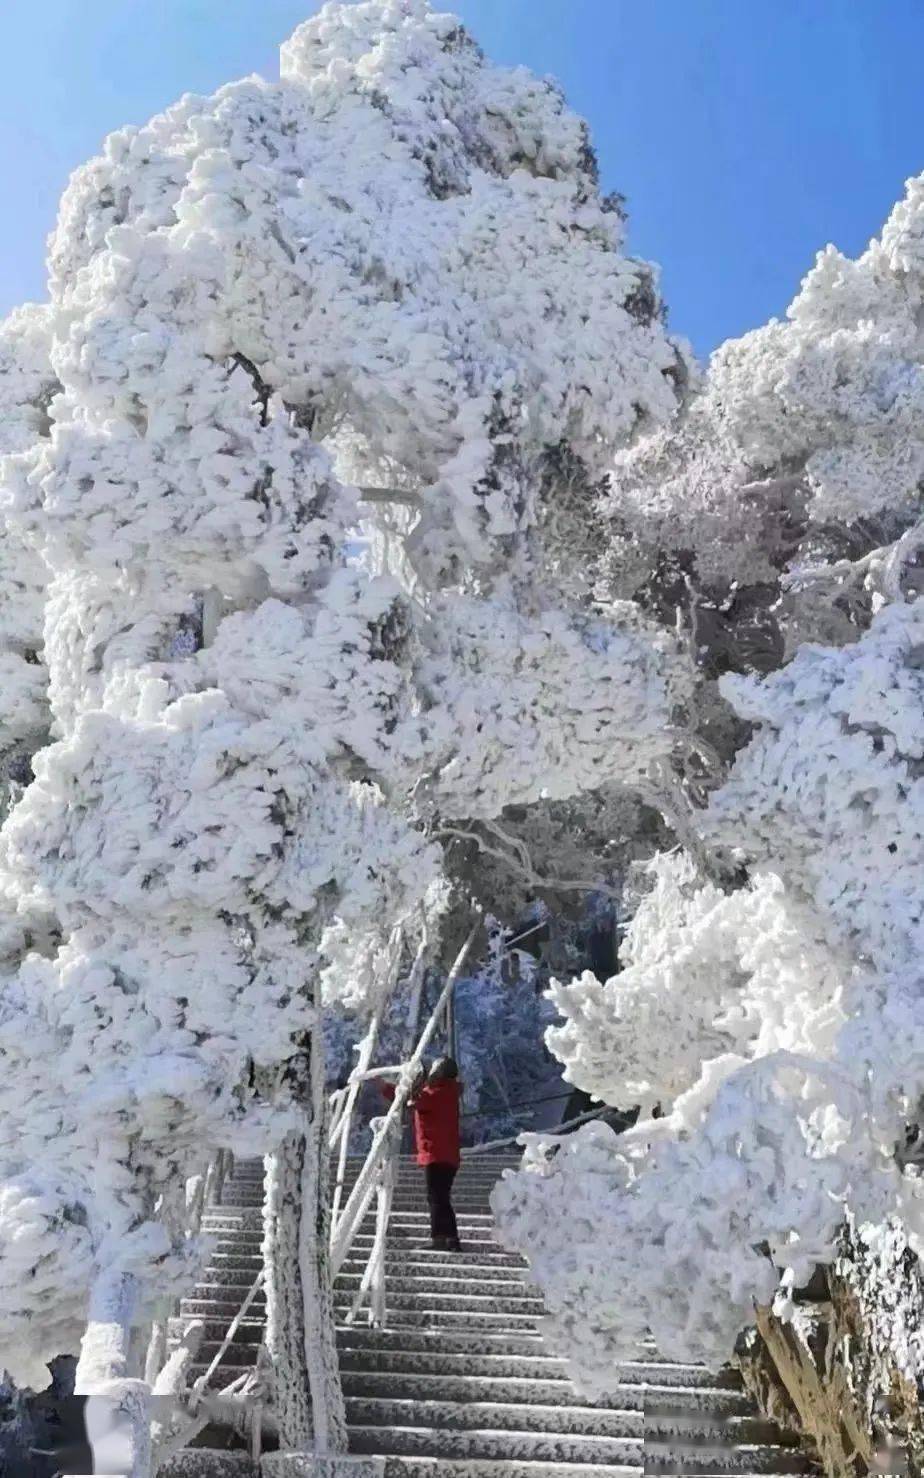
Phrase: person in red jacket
(435,1104)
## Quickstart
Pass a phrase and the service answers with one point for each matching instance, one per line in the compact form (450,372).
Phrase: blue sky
(745,133)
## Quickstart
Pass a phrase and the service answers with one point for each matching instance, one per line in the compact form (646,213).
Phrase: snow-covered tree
(27,385)
(392,268)
(773,992)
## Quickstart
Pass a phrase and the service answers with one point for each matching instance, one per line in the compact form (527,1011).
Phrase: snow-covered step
(230,1238)
(493,1416)
(434,1318)
(475,1246)
(218,1218)
(205,1462)
(461,1341)
(543,1367)
(232,1294)
(717,1457)
(453,1296)
(714,1405)
(488,1443)
(459,1283)
(248,1332)
(491,1264)
(473,1467)
(237,1274)
(216,1307)
(706,1424)
(235,1360)
(497,1444)
(460,1383)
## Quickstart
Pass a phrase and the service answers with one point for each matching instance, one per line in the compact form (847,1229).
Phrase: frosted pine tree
(280,317)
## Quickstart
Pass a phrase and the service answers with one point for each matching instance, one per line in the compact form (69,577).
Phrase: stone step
(713,1458)
(490,1261)
(234,1274)
(519,1311)
(521,1366)
(460,1285)
(426,1262)
(451,1416)
(416,1188)
(404,1241)
(472,1171)
(218,1313)
(240,1273)
(236,1361)
(474,1157)
(714,1404)
(427,1317)
(408,1174)
(712,1431)
(442,1467)
(204,1462)
(452,1295)
(486,1443)
(415,1175)
(220,1218)
(472,1164)
(407,1185)
(450,1342)
(460,1384)
(226,1292)
(250,1240)
(216,1310)
(248,1332)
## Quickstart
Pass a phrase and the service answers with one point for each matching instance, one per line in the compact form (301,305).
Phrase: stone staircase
(460,1384)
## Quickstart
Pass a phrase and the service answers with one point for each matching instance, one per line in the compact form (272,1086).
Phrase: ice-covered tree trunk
(300,1317)
(285,1303)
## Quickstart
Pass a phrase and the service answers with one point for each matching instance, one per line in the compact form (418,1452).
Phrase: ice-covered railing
(377,1174)
(176,1412)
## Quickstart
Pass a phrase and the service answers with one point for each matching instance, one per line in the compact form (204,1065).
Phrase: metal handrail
(385,1137)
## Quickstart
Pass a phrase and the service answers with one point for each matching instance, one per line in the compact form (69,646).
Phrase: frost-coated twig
(560,885)
(880,568)
(499,1144)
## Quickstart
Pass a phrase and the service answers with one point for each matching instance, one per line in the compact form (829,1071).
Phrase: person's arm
(418,1085)
(423,1096)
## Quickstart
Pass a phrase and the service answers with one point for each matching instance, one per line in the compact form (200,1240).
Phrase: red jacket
(436,1121)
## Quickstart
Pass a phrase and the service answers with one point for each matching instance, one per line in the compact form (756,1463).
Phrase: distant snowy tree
(259,300)
(27,386)
(772,995)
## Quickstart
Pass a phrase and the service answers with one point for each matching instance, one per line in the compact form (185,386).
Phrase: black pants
(439,1193)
